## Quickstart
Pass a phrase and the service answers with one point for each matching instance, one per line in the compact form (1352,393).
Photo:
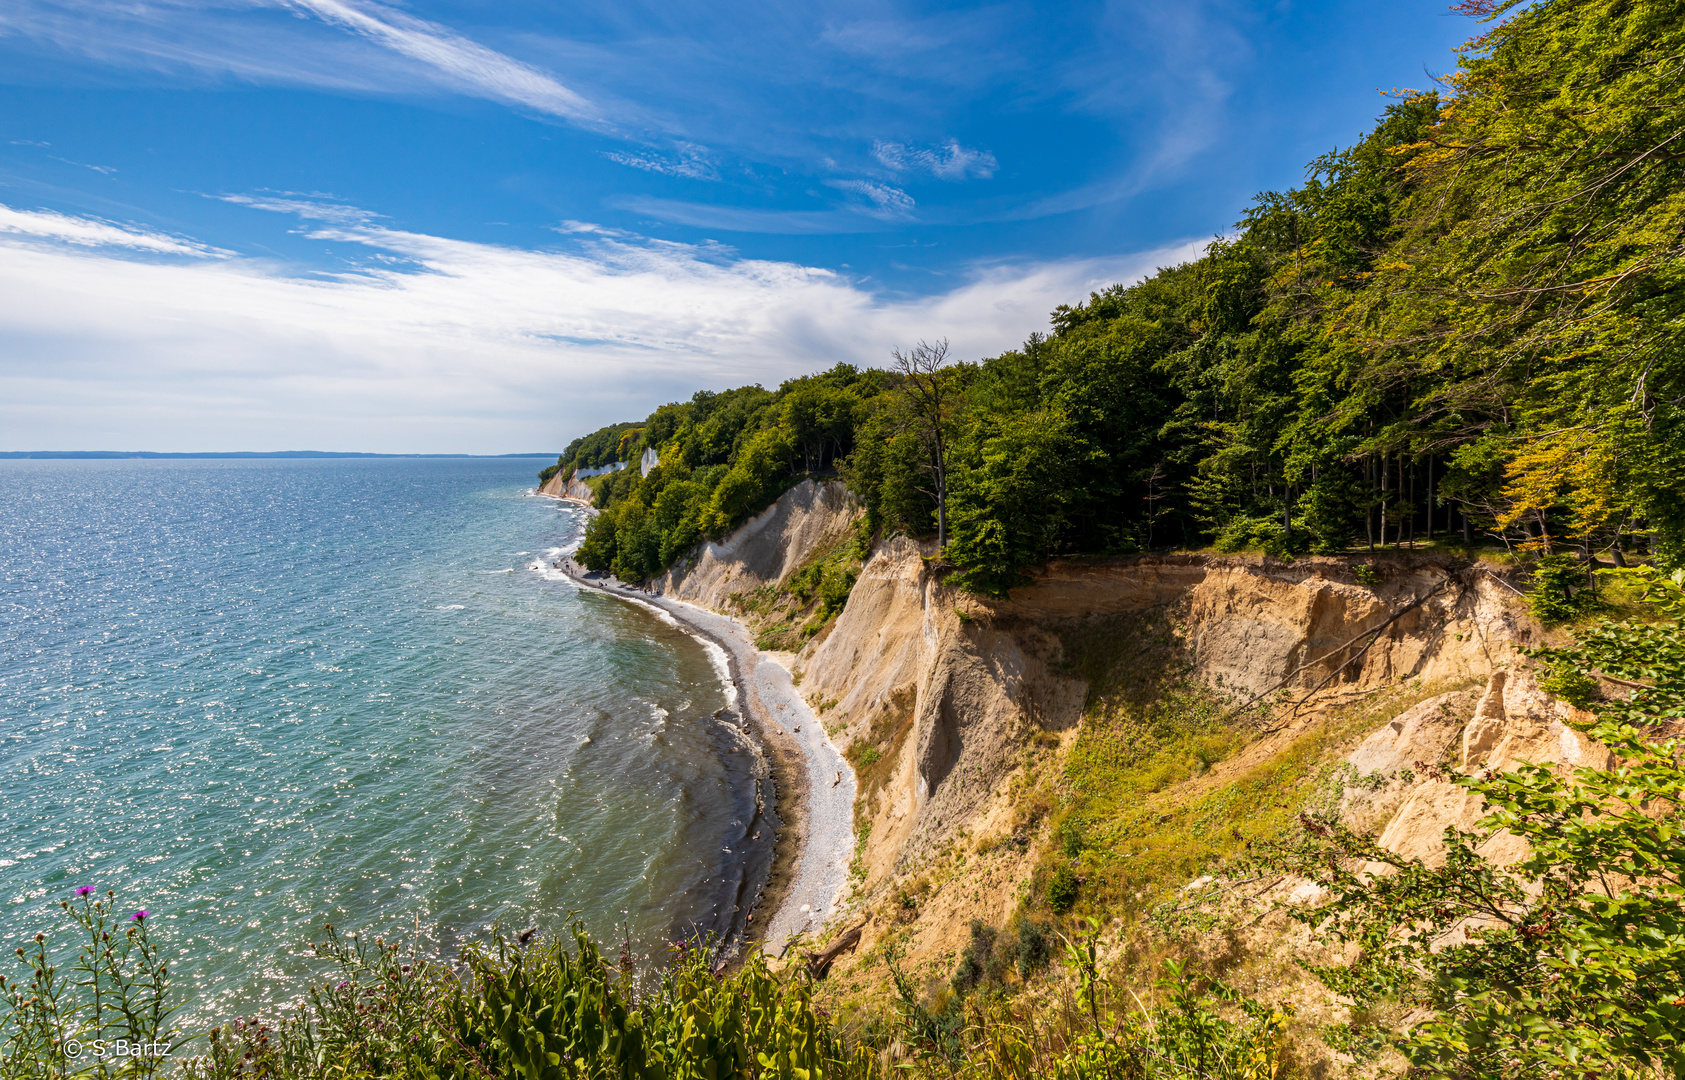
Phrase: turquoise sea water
(251,696)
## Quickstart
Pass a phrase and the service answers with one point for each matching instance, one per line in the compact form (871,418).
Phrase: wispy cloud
(950,161)
(103,170)
(468,63)
(750,219)
(87,232)
(691,162)
(359,45)
(589,228)
(886,201)
(882,38)
(308,206)
(480,348)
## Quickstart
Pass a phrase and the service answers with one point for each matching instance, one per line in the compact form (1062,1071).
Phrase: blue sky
(478,227)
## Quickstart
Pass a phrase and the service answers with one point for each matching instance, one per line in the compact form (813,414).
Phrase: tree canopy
(1467,321)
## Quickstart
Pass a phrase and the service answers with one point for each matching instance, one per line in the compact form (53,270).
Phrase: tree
(821,420)
(927,407)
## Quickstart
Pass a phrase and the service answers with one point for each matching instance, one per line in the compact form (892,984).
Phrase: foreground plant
(543,1012)
(1082,1027)
(105,1015)
(1570,962)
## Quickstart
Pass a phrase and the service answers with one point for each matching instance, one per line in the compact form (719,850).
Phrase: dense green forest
(1466,325)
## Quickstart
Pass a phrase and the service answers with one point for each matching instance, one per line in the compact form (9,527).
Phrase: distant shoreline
(148,455)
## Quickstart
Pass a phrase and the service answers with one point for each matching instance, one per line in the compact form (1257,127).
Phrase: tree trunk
(1412,505)
(1369,511)
(1384,478)
(1430,499)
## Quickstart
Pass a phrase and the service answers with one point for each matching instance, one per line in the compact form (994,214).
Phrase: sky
(476,227)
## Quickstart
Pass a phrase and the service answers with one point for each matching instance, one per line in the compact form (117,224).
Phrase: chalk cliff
(948,689)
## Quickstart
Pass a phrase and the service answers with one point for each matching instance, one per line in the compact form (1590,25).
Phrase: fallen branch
(1376,637)
(819,963)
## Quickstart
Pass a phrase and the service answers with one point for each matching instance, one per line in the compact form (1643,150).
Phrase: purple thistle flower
(84,890)
(140,916)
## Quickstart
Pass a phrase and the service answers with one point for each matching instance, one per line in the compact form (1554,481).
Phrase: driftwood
(819,963)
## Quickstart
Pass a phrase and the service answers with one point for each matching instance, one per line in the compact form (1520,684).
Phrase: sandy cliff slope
(983,676)
(949,698)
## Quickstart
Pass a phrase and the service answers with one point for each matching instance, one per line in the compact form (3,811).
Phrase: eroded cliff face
(982,676)
(572,489)
(811,517)
(940,693)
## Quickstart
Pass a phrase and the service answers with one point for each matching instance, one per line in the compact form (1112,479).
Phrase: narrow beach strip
(814,785)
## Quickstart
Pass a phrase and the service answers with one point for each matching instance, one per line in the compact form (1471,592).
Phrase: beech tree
(926,406)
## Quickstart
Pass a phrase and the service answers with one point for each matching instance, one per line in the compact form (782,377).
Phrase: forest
(1463,328)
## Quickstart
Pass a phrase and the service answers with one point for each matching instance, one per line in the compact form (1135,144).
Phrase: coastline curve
(812,785)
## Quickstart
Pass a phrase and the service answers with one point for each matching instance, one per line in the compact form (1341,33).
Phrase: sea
(255,696)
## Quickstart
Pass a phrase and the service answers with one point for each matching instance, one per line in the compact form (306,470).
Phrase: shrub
(1073,838)
(1263,534)
(1032,948)
(1558,593)
(1062,889)
(974,964)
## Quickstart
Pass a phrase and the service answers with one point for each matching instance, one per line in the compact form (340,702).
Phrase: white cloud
(950,161)
(243,38)
(483,349)
(881,39)
(94,232)
(468,63)
(569,227)
(103,170)
(886,201)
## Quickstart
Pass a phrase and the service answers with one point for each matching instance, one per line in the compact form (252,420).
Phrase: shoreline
(813,787)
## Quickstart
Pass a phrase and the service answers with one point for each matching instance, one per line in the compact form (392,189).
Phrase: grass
(1143,802)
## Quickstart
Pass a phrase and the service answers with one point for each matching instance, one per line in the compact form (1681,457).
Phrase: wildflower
(84,890)
(140,916)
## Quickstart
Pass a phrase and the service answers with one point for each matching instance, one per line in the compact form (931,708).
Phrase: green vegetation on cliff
(723,457)
(1467,322)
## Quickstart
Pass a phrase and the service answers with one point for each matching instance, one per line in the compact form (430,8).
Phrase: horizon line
(16,455)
